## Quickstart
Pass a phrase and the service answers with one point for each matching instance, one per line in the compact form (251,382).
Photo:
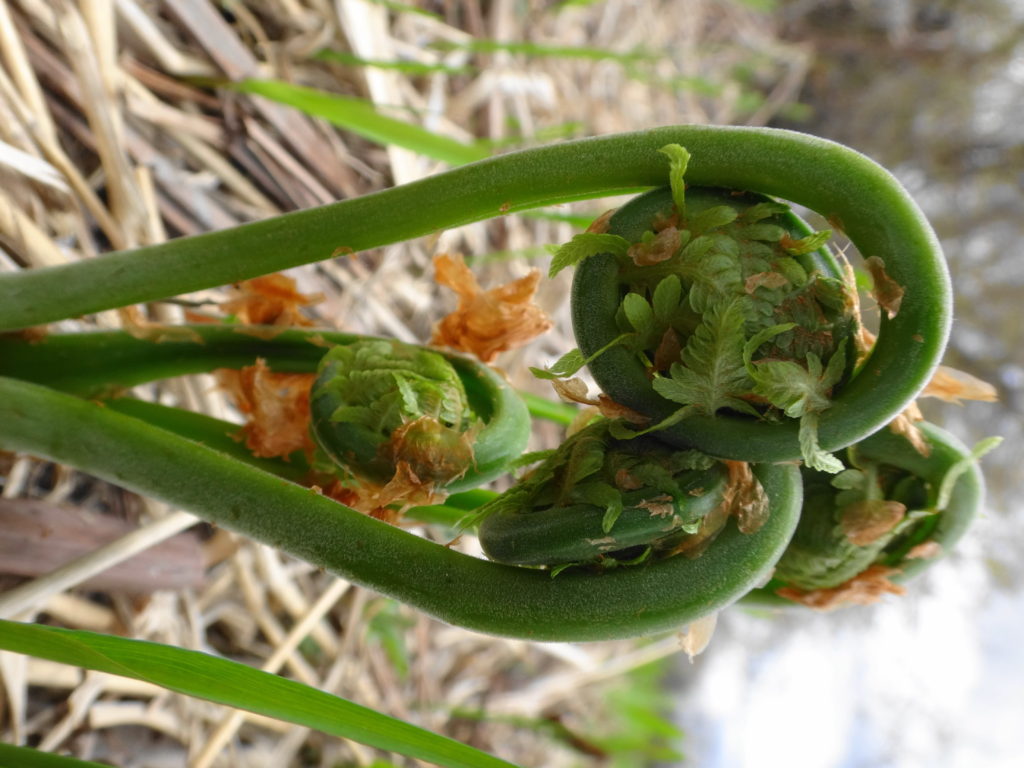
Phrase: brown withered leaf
(662,248)
(925,550)
(624,481)
(868,520)
(669,350)
(887,292)
(340,492)
(695,637)
(144,329)
(431,452)
(865,588)
(953,386)
(573,390)
(582,420)
(692,547)
(658,506)
(269,300)
(745,497)
(405,487)
(906,425)
(770,280)
(385,502)
(277,407)
(864,339)
(947,384)
(34,334)
(600,225)
(612,410)
(486,323)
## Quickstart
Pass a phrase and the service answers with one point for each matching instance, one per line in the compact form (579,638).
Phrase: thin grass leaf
(576,220)
(26,757)
(236,685)
(765,6)
(701,85)
(362,118)
(407,67)
(542,408)
(575,4)
(547,51)
(516,254)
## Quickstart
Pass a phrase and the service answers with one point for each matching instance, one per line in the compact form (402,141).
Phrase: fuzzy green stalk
(462,590)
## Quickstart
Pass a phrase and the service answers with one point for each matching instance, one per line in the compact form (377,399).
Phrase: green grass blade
(362,118)
(407,67)
(540,50)
(25,757)
(551,410)
(237,685)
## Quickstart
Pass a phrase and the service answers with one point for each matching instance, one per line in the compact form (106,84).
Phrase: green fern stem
(104,364)
(459,589)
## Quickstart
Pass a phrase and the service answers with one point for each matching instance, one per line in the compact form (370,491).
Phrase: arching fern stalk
(457,588)
(581,603)
(148,449)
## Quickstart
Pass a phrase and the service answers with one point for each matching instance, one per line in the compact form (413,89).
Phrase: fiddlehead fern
(601,500)
(891,513)
(732,306)
(755,322)
(380,408)
(847,188)
(103,363)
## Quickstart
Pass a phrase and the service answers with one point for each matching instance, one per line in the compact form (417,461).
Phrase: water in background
(934,91)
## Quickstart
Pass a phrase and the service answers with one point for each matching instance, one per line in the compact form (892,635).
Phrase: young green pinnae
(883,518)
(380,407)
(728,304)
(611,502)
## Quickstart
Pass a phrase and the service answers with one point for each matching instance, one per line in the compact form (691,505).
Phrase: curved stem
(107,362)
(222,436)
(827,177)
(456,588)
(881,220)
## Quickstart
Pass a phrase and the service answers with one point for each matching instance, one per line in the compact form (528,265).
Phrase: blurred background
(124,122)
